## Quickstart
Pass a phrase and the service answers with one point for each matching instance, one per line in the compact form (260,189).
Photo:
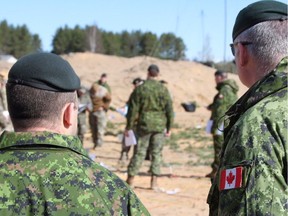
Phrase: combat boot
(130,181)
(154,184)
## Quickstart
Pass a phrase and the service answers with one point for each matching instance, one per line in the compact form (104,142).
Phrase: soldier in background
(252,176)
(226,96)
(125,149)
(4,114)
(44,168)
(101,99)
(84,106)
(151,106)
(103,82)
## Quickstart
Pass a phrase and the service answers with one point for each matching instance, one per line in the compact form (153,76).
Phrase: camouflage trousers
(98,122)
(81,127)
(156,141)
(217,143)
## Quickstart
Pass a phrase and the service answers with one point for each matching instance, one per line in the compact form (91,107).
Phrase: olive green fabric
(45,71)
(257,12)
(256,139)
(43,173)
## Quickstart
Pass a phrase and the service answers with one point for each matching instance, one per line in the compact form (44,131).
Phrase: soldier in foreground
(252,176)
(226,96)
(151,106)
(44,168)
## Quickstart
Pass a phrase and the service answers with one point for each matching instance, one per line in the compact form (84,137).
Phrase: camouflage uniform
(50,187)
(226,96)
(101,99)
(256,142)
(84,103)
(151,105)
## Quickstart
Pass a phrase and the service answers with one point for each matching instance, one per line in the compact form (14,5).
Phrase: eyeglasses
(244,43)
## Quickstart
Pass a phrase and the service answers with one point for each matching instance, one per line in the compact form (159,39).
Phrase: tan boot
(154,184)
(130,181)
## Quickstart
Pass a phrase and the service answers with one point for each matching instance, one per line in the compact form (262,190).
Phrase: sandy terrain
(183,188)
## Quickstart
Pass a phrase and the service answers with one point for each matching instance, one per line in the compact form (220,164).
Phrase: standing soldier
(252,175)
(84,105)
(226,96)
(101,99)
(150,104)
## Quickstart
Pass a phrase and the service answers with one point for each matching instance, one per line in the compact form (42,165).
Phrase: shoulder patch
(231,178)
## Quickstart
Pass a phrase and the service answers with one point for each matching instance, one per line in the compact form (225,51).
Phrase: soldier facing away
(44,168)
(252,175)
(150,104)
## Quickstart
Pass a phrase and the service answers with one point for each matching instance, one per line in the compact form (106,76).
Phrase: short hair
(32,107)
(269,42)
(220,73)
(153,70)
(103,75)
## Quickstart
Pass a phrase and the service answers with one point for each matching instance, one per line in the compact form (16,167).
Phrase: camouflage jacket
(254,153)
(150,104)
(43,173)
(226,96)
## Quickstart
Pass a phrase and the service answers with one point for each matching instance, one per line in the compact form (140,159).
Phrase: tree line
(18,41)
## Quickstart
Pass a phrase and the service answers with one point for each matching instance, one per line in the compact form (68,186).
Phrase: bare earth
(183,188)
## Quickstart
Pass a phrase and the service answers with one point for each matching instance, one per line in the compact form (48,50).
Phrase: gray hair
(269,43)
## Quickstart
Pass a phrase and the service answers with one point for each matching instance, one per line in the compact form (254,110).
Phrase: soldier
(150,104)
(125,149)
(84,105)
(101,99)
(226,96)
(252,175)
(103,82)
(44,168)
(4,114)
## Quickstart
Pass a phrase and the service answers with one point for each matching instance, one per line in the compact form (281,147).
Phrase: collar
(45,138)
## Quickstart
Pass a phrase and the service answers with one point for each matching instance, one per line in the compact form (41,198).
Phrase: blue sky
(192,20)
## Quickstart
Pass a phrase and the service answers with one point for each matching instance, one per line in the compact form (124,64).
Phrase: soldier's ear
(68,115)
(243,54)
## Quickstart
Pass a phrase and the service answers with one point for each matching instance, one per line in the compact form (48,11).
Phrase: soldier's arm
(133,109)
(107,101)
(169,112)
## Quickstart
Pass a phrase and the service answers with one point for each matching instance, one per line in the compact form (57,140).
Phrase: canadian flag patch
(231,178)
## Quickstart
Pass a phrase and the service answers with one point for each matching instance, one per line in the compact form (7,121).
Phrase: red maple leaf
(230,178)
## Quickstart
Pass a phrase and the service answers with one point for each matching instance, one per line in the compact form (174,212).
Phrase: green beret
(153,68)
(45,71)
(257,12)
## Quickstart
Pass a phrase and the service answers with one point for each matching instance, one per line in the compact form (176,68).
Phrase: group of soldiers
(46,171)
(149,115)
